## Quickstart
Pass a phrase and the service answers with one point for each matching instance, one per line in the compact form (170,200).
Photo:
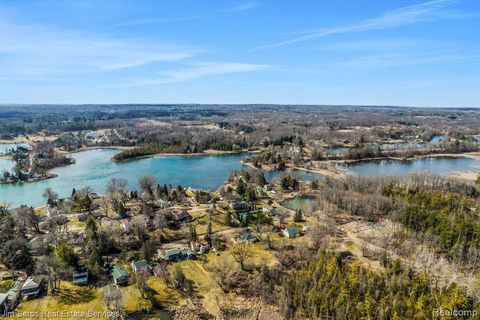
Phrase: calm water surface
(305,203)
(94,168)
(440,166)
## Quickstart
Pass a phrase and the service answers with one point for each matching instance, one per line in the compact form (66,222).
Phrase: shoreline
(208,152)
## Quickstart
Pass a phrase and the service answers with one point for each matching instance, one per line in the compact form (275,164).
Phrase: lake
(437,165)
(93,168)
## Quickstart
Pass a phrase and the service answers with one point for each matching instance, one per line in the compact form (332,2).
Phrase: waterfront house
(32,286)
(140,266)
(119,274)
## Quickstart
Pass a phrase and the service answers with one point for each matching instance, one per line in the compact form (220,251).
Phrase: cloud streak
(193,71)
(60,52)
(395,18)
(244,7)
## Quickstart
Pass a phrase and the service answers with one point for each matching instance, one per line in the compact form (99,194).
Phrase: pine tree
(228,219)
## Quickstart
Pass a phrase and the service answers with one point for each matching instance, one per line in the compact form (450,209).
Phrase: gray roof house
(140,266)
(178,254)
(32,286)
(3,303)
(247,237)
(291,232)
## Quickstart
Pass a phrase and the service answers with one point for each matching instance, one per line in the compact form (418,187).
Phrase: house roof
(32,283)
(142,264)
(245,235)
(292,230)
(3,298)
(119,271)
(177,251)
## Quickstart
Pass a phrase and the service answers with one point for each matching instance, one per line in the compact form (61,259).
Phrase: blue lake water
(440,166)
(94,168)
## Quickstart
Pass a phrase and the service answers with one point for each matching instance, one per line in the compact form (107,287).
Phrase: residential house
(126,225)
(181,215)
(247,237)
(158,270)
(80,277)
(119,274)
(51,211)
(3,303)
(32,287)
(179,254)
(268,187)
(200,247)
(268,210)
(140,266)
(93,136)
(239,205)
(291,232)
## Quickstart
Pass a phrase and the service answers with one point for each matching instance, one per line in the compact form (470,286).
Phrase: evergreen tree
(228,219)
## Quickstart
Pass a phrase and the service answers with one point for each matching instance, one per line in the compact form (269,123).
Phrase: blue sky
(293,52)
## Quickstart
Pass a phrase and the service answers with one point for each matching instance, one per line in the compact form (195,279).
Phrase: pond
(438,165)
(305,203)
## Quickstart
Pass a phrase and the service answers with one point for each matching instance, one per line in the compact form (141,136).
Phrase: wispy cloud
(52,51)
(406,59)
(147,21)
(395,18)
(194,70)
(245,6)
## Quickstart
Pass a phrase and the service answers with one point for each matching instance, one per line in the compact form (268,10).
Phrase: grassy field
(85,299)
(5,285)
(71,298)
